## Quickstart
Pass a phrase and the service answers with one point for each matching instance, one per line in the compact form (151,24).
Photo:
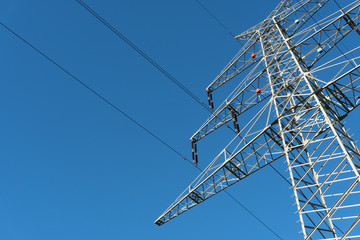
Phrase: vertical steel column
(330,122)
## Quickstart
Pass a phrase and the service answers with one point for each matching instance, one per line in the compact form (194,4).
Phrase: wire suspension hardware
(234,119)
(194,153)
(210,100)
(290,113)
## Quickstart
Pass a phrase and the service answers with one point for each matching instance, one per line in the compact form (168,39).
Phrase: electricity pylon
(295,85)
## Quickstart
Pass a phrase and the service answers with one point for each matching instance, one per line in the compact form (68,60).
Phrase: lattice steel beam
(281,109)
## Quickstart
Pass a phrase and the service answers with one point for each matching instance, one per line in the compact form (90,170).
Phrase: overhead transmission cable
(337,4)
(244,207)
(138,50)
(93,91)
(149,59)
(216,19)
(125,114)
(142,53)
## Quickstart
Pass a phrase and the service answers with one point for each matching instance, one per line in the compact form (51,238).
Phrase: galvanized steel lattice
(297,115)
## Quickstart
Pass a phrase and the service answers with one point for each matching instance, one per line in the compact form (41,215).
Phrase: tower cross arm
(227,169)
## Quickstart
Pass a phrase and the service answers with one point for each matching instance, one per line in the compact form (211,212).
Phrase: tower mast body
(287,112)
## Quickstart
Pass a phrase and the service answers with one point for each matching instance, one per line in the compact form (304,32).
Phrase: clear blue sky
(73,168)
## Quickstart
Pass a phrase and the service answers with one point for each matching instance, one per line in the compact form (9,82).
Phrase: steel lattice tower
(295,85)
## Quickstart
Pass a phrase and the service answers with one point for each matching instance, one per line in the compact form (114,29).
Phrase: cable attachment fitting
(194,152)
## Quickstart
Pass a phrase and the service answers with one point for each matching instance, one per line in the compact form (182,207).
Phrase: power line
(143,54)
(337,4)
(150,60)
(216,19)
(147,57)
(245,208)
(123,113)
(93,91)
(253,215)
(168,75)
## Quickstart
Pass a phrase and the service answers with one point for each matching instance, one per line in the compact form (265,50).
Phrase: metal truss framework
(289,113)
